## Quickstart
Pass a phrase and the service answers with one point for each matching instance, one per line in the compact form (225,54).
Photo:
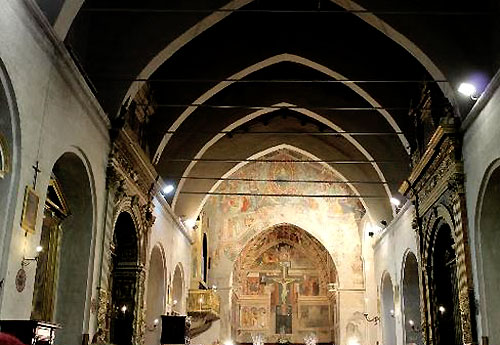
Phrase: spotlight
(228,342)
(383,222)
(441,309)
(174,302)
(396,202)
(39,249)
(168,189)
(123,309)
(391,312)
(156,322)
(190,222)
(411,323)
(468,90)
(370,233)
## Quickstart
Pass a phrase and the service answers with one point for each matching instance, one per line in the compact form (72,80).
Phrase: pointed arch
(261,65)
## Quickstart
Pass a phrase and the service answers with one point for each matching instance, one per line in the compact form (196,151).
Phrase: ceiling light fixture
(168,189)
(396,202)
(190,223)
(469,90)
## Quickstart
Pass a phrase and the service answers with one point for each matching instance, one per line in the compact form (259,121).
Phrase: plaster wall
(481,151)
(390,248)
(177,250)
(57,114)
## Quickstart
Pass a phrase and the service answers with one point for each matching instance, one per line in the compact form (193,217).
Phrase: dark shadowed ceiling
(273,67)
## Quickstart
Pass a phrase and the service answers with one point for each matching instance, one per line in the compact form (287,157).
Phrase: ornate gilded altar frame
(436,187)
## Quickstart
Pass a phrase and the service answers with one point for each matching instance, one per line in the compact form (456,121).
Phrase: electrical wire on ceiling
(274,180)
(287,195)
(278,81)
(316,11)
(326,133)
(228,160)
(264,107)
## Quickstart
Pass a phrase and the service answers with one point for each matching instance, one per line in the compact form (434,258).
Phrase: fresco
(334,221)
(297,298)
(314,316)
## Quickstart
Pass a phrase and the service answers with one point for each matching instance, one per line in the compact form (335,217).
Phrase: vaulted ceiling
(298,71)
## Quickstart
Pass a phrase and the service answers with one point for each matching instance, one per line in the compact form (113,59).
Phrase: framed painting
(30,210)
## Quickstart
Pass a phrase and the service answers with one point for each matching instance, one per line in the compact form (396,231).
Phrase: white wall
(390,248)
(481,149)
(177,248)
(57,114)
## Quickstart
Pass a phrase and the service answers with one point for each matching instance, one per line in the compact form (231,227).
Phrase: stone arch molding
(487,309)
(10,140)
(262,112)
(441,214)
(266,63)
(257,245)
(130,205)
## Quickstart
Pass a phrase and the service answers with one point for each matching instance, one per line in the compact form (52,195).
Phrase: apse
(282,283)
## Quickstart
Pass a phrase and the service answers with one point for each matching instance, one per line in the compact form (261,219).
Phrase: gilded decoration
(436,187)
(132,184)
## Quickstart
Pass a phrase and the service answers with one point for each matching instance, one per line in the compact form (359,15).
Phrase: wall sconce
(154,326)
(391,312)
(374,319)
(26,261)
(413,327)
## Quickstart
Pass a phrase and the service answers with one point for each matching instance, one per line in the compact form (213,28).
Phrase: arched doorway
(489,232)
(124,281)
(155,301)
(178,290)
(10,141)
(388,311)
(445,307)
(62,281)
(283,288)
(411,301)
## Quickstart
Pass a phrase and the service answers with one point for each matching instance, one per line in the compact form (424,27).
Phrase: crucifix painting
(284,310)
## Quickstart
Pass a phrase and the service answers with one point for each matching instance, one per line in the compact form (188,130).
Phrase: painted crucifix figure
(284,309)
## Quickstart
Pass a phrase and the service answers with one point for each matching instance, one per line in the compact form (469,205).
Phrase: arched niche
(283,286)
(124,280)
(178,290)
(10,143)
(411,301)
(489,237)
(155,296)
(445,306)
(62,283)
(388,311)
(204,259)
